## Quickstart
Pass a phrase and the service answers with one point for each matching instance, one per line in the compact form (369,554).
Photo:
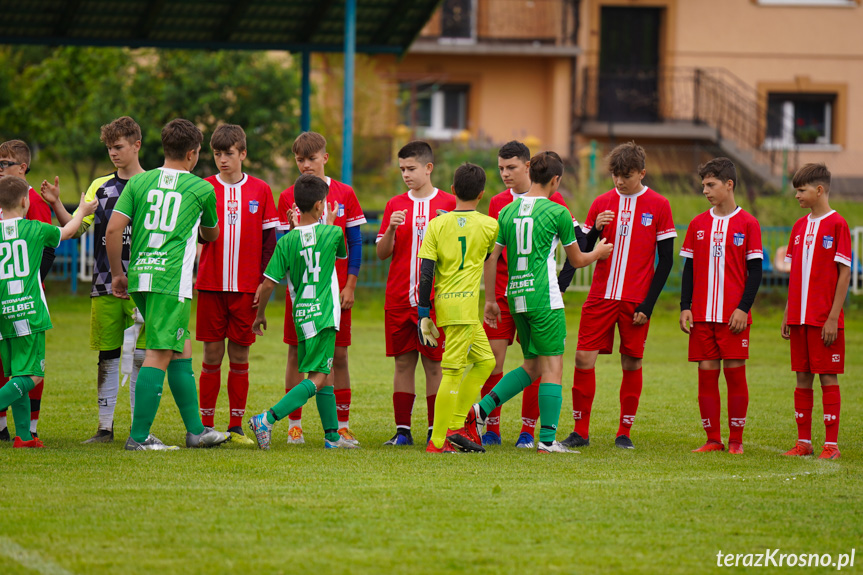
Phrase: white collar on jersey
(644,189)
(431,197)
(306,226)
(242,181)
(164,169)
(731,215)
(811,219)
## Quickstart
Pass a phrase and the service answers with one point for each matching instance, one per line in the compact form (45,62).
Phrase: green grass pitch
(73,508)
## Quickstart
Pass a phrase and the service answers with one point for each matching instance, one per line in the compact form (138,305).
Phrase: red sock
(709,403)
(36,400)
(583,392)
(403,407)
(343,406)
(738,402)
(530,407)
(430,404)
(210,381)
(630,393)
(238,392)
(832,402)
(296,415)
(803,399)
(492,422)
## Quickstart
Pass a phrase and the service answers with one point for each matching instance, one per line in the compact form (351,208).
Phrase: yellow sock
(469,391)
(445,403)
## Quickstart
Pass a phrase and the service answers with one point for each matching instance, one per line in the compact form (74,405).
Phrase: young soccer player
(168,208)
(15,161)
(403,229)
(530,229)
(24,317)
(513,161)
(624,288)
(819,252)
(109,316)
(343,208)
(307,255)
(452,256)
(229,274)
(721,276)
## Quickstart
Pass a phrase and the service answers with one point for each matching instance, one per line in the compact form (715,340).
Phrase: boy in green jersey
(530,229)
(168,209)
(453,251)
(307,256)
(23,312)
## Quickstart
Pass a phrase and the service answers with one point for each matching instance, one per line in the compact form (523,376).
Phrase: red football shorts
(711,340)
(343,335)
(505,325)
(224,314)
(596,329)
(400,326)
(810,355)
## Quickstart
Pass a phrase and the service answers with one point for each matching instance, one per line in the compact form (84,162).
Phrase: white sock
(3,423)
(343,424)
(137,362)
(108,387)
(33,423)
(295,423)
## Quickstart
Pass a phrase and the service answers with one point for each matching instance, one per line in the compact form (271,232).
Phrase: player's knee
(486,365)
(629,363)
(585,360)
(109,354)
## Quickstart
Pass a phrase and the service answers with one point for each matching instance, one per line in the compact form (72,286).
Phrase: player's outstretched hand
(119,286)
(686,321)
(332,213)
(50,192)
(603,219)
(426,329)
(491,314)
(397,218)
(603,249)
(259,325)
(830,331)
(87,208)
(737,321)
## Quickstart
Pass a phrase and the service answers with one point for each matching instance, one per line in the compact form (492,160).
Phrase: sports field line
(30,559)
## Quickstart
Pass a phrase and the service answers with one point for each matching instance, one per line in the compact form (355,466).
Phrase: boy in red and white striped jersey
(819,251)
(637,221)
(720,280)
(403,227)
(228,275)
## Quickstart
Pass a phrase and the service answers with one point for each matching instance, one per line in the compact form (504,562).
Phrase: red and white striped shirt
(719,247)
(641,220)
(404,274)
(816,246)
(233,262)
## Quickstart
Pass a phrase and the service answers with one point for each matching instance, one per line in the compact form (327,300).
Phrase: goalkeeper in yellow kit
(454,249)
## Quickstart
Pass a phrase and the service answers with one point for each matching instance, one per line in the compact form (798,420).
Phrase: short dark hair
(814,174)
(179,136)
(419,150)
(626,158)
(468,182)
(544,166)
(309,143)
(309,190)
(12,189)
(122,127)
(514,149)
(17,149)
(720,168)
(228,135)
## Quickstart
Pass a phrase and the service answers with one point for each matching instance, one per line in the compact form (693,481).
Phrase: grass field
(301,509)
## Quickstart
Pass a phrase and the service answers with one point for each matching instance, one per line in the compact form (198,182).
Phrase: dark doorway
(629,64)
(456,19)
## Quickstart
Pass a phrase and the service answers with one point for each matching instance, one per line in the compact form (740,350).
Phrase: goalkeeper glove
(426,329)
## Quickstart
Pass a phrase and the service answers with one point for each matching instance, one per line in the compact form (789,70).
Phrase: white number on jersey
(523,235)
(313,264)
(164,210)
(19,267)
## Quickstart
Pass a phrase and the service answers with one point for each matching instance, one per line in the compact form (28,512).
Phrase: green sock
(148,394)
(326,400)
(294,399)
(14,396)
(469,389)
(181,380)
(550,399)
(445,404)
(511,385)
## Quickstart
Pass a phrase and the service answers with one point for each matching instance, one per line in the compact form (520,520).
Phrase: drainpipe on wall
(575,120)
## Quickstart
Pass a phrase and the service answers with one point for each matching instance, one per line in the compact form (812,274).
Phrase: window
(457,19)
(794,119)
(436,111)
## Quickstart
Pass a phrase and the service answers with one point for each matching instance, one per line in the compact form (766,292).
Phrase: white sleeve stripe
(685,254)
(271,225)
(355,223)
(666,235)
(271,278)
(840,259)
(500,244)
(119,212)
(755,256)
(341,258)
(787,259)
(569,244)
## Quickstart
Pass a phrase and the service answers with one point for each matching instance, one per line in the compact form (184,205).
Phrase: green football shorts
(316,353)
(166,318)
(109,317)
(541,332)
(23,355)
